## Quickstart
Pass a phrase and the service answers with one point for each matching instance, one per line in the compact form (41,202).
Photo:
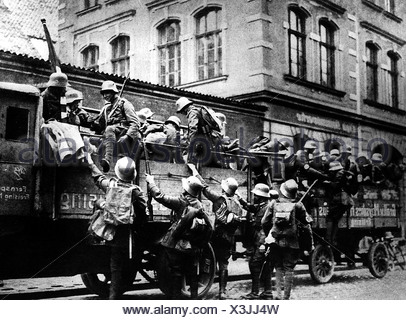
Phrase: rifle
(118,100)
(148,170)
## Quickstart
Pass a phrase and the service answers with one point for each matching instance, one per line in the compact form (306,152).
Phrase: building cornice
(157,3)
(377,8)
(109,20)
(369,26)
(331,6)
(287,100)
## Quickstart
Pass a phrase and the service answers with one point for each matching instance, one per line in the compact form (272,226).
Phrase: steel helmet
(125,169)
(221,117)
(147,112)
(310,144)
(335,165)
(274,194)
(58,79)
(192,185)
(229,186)
(335,152)
(173,119)
(182,103)
(261,190)
(108,85)
(73,95)
(141,117)
(376,157)
(289,189)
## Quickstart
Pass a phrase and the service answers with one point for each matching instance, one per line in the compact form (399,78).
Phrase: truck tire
(378,260)
(207,268)
(321,264)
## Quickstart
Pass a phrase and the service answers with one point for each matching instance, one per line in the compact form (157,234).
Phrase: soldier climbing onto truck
(189,233)
(228,216)
(125,209)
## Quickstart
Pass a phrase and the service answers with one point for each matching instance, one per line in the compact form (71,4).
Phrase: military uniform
(116,120)
(121,267)
(180,250)
(288,217)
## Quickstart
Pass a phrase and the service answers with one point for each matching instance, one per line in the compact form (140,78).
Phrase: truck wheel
(99,283)
(378,260)
(321,264)
(207,269)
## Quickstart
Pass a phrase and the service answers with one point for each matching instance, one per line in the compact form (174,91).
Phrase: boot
(255,272)
(116,290)
(176,289)
(108,154)
(223,285)
(267,294)
(194,287)
(288,284)
(278,283)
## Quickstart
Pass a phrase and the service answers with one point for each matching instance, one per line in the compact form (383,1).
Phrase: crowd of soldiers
(277,224)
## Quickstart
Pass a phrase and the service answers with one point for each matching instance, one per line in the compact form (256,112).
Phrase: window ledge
(384,107)
(108,2)
(377,8)
(200,82)
(314,86)
(82,12)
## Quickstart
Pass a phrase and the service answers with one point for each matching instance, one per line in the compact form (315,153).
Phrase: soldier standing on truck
(182,243)
(121,264)
(54,102)
(228,214)
(257,233)
(119,124)
(204,134)
(288,217)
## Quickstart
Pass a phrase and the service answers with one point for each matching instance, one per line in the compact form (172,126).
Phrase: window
(209,44)
(394,74)
(16,123)
(390,6)
(90,57)
(90,3)
(327,52)
(169,54)
(372,71)
(121,59)
(297,44)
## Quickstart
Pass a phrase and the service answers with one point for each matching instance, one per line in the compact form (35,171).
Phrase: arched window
(394,76)
(327,53)
(90,57)
(120,55)
(209,44)
(169,50)
(297,43)
(372,71)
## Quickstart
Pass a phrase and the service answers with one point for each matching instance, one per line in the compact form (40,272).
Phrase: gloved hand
(270,239)
(125,139)
(149,179)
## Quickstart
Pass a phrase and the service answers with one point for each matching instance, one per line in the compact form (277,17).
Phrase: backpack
(283,214)
(229,206)
(119,207)
(98,229)
(211,122)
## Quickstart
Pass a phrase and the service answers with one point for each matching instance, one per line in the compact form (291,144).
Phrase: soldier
(204,135)
(378,169)
(288,216)
(181,244)
(121,265)
(167,134)
(76,115)
(119,124)
(54,96)
(258,234)
(228,213)
(339,200)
